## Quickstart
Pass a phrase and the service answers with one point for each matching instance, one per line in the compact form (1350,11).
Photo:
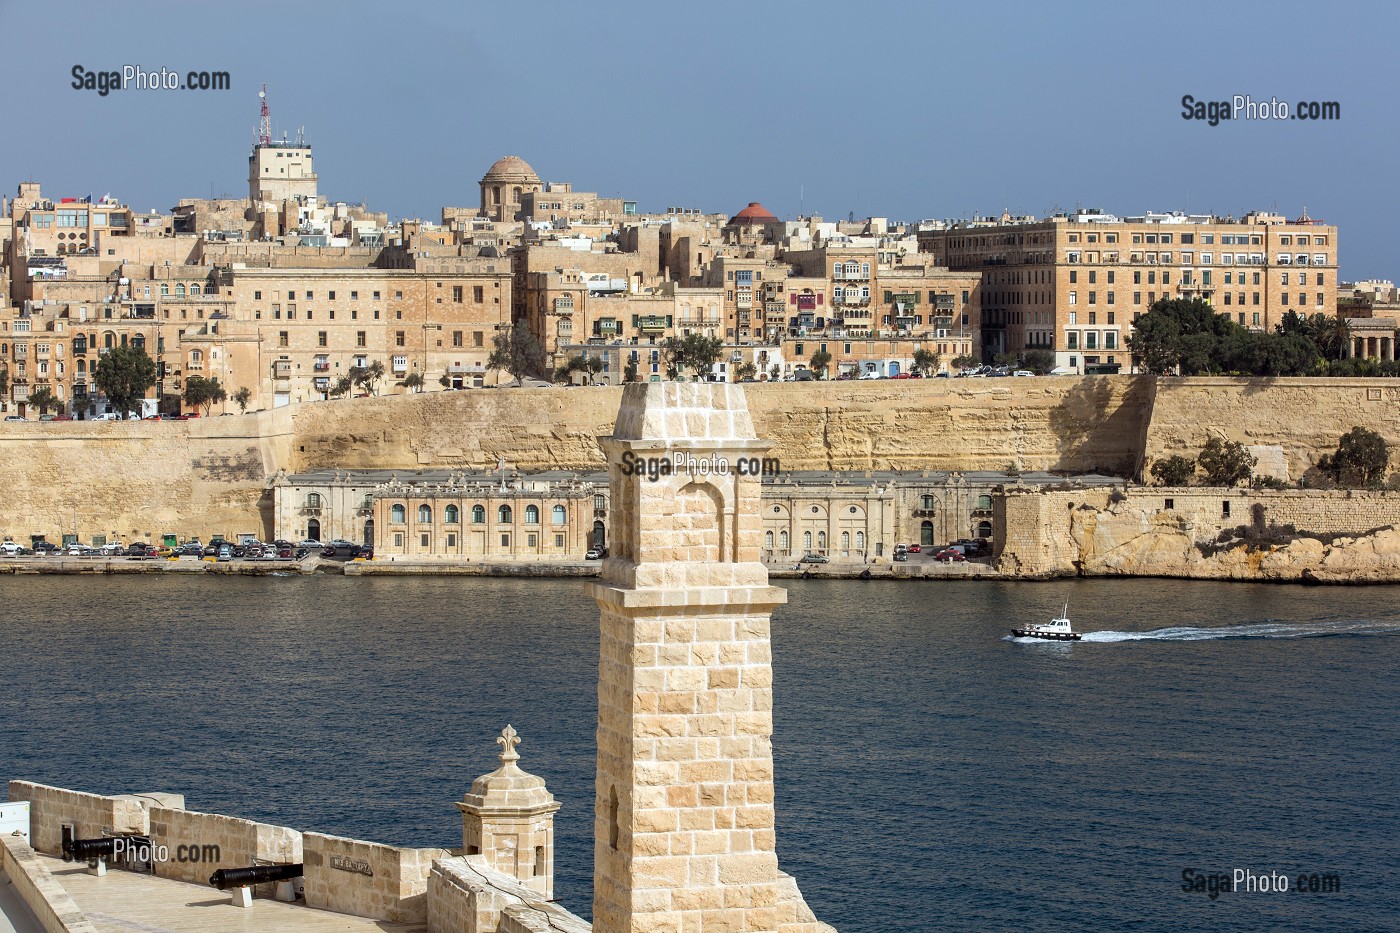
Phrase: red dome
(755,214)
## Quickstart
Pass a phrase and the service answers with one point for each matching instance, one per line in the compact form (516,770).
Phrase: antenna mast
(264,124)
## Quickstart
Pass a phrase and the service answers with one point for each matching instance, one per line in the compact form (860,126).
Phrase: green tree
(925,361)
(203,392)
(1180,333)
(629,372)
(819,362)
(964,362)
(445,381)
(1175,470)
(43,399)
(5,382)
(1361,459)
(1040,362)
(243,397)
(413,381)
(518,352)
(367,377)
(1225,463)
(124,375)
(590,366)
(695,352)
(745,370)
(1006,359)
(345,384)
(775,372)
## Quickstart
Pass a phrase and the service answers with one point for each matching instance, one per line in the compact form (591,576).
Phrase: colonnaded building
(558,515)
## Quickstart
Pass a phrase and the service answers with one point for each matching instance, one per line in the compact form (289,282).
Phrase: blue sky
(904,110)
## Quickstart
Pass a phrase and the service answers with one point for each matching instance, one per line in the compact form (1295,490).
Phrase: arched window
(196,356)
(503,514)
(425,515)
(984,502)
(768,540)
(806,540)
(396,514)
(845,541)
(984,529)
(532,515)
(478,515)
(194,289)
(783,540)
(180,290)
(926,503)
(313,500)
(165,289)
(450,515)
(561,515)
(852,268)
(860,541)
(109,340)
(138,340)
(821,540)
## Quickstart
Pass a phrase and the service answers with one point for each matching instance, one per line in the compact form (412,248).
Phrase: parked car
(594,553)
(1023,372)
(872,374)
(366,553)
(949,556)
(210,551)
(345,549)
(915,548)
(45,548)
(943,375)
(78,550)
(280,543)
(285,553)
(194,549)
(15,418)
(9,549)
(311,543)
(804,375)
(138,550)
(901,376)
(813,559)
(163,551)
(901,556)
(225,553)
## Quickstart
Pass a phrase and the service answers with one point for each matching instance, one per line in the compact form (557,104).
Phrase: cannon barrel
(83,849)
(226,878)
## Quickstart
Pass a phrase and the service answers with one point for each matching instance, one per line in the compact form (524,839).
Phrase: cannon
(226,878)
(85,850)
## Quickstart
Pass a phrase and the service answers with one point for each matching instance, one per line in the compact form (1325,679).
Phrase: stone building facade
(442,515)
(1074,284)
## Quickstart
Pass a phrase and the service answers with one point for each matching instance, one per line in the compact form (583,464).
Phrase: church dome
(511,168)
(753,215)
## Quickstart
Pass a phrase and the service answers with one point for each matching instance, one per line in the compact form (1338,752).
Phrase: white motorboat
(1054,630)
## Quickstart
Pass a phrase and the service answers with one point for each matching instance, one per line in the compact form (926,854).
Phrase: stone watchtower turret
(508,816)
(684,822)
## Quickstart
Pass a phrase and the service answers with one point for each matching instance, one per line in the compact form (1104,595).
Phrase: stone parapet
(367,879)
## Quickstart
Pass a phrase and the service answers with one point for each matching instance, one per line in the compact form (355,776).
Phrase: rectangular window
(451,539)
(559,541)
(398,338)
(321,338)
(359,338)
(457,294)
(478,294)
(456,338)
(505,540)
(281,338)
(478,338)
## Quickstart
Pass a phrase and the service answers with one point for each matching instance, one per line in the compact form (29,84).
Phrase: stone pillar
(684,822)
(508,816)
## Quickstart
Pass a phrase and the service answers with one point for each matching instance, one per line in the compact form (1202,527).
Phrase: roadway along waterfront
(929,773)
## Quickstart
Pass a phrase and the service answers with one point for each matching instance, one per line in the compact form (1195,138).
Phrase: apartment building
(1074,284)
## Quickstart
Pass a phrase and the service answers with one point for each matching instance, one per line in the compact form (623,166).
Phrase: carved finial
(508,739)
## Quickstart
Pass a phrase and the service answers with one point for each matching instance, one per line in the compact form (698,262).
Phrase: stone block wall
(367,879)
(89,814)
(51,905)
(187,833)
(466,896)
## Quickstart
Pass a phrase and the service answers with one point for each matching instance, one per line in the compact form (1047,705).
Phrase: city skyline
(758,105)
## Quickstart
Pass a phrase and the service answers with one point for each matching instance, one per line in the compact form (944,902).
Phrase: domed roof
(513,168)
(755,214)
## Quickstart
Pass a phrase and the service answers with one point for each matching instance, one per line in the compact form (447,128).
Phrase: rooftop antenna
(265,123)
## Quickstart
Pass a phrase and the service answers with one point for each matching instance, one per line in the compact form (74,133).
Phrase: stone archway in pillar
(700,519)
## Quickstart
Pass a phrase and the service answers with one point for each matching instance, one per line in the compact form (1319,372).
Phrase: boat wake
(1337,629)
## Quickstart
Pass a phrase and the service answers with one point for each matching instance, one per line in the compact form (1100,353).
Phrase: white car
(872,374)
(1023,372)
(9,549)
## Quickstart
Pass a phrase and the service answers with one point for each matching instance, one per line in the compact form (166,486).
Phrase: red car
(948,555)
(901,376)
(915,549)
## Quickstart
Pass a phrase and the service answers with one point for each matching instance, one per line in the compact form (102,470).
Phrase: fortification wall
(1302,416)
(1196,532)
(238,843)
(213,475)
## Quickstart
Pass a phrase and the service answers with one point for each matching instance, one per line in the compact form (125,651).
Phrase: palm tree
(413,381)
